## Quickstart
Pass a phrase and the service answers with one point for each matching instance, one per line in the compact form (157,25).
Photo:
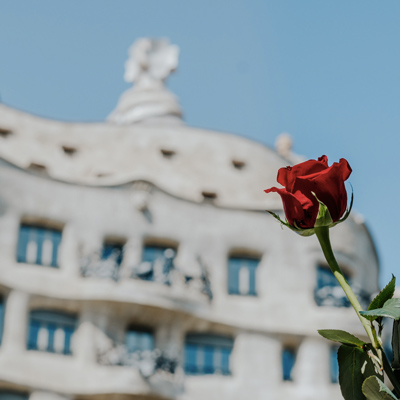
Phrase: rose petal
(287,176)
(310,208)
(345,168)
(323,159)
(291,205)
(328,186)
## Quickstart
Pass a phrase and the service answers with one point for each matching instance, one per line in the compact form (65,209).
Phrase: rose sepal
(323,219)
(300,231)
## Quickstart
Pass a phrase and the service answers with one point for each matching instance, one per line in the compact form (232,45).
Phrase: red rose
(302,180)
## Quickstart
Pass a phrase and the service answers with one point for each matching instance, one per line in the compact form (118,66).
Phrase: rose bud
(314,194)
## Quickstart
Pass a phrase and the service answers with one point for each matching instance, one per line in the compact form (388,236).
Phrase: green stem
(323,237)
(376,342)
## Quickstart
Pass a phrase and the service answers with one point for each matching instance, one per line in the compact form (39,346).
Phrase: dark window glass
(68,331)
(51,331)
(328,291)
(113,250)
(288,360)
(34,327)
(207,354)
(191,365)
(5,395)
(209,359)
(156,260)
(242,275)
(38,245)
(139,340)
(334,365)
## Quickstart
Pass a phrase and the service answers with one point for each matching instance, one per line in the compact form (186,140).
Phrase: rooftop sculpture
(150,63)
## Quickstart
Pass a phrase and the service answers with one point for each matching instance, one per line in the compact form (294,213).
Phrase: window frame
(233,273)
(334,364)
(164,244)
(140,330)
(212,353)
(333,283)
(287,376)
(113,244)
(40,319)
(44,230)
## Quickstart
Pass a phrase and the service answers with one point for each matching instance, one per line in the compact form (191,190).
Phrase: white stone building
(137,261)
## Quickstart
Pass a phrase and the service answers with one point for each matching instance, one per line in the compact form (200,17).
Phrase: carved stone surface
(89,190)
(140,196)
(113,155)
(150,62)
(284,145)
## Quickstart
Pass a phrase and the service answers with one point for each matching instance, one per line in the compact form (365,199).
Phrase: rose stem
(323,237)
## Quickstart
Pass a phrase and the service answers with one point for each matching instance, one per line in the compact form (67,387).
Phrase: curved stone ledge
(37,369)
(183,161)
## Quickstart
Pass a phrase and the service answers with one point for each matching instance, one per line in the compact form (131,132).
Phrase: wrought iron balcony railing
(161,270)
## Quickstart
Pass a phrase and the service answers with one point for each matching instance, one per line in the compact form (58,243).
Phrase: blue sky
(326,72)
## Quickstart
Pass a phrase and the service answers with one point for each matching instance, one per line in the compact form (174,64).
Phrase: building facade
(138,263)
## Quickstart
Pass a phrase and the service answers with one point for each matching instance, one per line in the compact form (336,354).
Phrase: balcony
(158,369)
(160,270)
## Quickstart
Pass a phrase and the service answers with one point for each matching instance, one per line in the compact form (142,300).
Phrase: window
(38,245)
(334,365)
(103,174)
(238,164)
(5,132)
(51,331)
(328,291)
(36,167)
(167,153)
(137,339)
(242,275)
(157,262)
(288,360)
(6,395)
(207,354)
(114,251)
(209,196)
(69,150)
